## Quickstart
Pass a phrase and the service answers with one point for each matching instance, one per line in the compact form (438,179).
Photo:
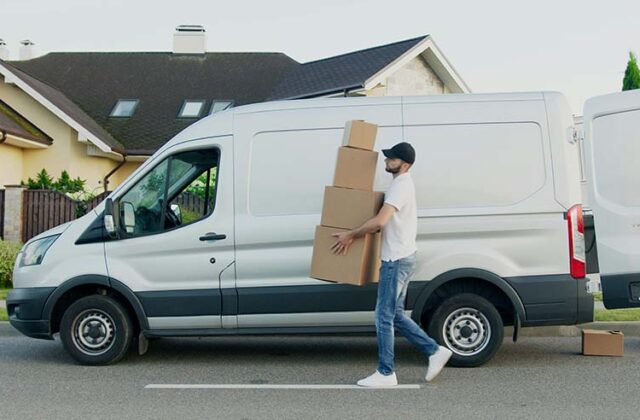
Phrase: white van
(213,234)
(612,173)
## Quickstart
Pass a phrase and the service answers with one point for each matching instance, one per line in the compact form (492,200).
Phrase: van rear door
(612,171)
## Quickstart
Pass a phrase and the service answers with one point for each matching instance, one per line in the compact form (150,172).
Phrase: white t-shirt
(399,234)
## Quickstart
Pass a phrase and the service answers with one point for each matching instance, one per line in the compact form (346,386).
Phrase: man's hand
(373,225)
(343,242)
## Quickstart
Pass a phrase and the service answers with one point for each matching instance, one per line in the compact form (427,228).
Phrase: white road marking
(272,386)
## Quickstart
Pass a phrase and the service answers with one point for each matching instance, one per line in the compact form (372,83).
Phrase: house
(98,115)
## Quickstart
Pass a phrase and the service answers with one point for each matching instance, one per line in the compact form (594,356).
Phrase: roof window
(191,108)
(218,106)
(124,108)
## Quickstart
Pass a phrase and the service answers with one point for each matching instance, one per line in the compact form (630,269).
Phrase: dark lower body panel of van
(621,290)
(25,307)
(553,299)
(547,300)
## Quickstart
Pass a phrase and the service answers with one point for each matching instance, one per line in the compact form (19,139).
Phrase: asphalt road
(536,378)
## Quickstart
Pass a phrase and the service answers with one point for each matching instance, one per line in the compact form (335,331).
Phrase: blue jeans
(392,292)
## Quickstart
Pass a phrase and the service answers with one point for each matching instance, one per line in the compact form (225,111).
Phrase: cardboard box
(360,266)
(355,168)
(360,135)
(348,209)
(602,343)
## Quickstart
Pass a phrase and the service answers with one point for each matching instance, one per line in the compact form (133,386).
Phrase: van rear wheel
(470,326)
(96,330)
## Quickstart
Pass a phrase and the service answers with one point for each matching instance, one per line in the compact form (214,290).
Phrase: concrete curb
(630,329)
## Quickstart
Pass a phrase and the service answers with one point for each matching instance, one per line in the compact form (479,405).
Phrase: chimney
(189,39)
(4,51)
(27,51)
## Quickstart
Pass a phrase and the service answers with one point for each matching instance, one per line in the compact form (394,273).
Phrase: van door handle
(212,236)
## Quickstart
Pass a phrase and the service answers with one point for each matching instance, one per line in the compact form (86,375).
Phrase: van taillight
(576,242)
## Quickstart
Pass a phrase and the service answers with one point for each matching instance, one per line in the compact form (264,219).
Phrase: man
(398,220)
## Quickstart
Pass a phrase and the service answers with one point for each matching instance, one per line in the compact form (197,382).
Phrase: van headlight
(34,252)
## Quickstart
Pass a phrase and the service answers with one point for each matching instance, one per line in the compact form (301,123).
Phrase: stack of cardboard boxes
(348,204)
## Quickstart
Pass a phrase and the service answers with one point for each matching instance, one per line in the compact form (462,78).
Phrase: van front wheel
(96,330)
(470,326)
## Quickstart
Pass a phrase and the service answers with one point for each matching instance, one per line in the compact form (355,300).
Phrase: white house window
(218,106)
(191,108)
(124,108)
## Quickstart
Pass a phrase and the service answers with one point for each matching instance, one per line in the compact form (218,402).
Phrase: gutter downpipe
(105,180)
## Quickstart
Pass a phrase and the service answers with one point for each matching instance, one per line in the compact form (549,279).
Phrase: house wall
(415,78)
(91,168)
(123,173)
(10,165)
(66,152)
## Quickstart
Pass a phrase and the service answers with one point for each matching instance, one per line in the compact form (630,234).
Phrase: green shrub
(65,184)
(8,253)
(42,181)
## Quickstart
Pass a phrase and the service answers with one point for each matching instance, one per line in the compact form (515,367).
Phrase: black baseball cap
(402,151)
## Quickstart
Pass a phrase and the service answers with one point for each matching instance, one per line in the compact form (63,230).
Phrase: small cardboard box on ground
(349,209)
(360,266)
(602,343)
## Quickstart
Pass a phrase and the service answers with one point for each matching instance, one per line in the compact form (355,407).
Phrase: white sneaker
(378,380)
(437,361)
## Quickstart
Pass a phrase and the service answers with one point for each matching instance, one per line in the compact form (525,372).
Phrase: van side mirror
(129,216)
(176,210)
(109,221)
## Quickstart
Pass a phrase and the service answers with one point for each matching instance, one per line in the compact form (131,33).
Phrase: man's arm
(345,239)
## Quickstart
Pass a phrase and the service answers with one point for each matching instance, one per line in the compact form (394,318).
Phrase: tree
(632,74)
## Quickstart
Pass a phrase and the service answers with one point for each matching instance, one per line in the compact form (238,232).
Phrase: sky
(580,48)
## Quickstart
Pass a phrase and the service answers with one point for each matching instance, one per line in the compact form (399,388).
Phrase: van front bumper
(25,309)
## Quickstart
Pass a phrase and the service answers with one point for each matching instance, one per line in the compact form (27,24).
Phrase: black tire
(96,330)
(470,326)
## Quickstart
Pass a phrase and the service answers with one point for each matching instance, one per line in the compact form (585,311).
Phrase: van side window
(180,190)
